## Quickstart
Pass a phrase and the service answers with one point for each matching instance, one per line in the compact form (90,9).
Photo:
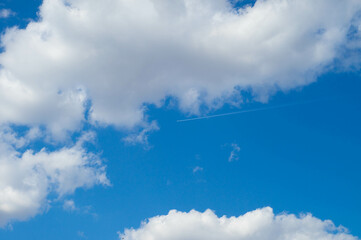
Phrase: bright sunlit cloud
(103,63)
(261,224)
(199,52)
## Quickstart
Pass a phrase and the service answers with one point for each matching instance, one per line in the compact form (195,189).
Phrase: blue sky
(300,158)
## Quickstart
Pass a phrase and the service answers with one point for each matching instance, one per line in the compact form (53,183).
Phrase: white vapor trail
(247,111)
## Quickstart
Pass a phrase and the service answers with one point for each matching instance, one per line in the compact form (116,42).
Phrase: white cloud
(115,57)
(124,54)
(234,153)
(8,135)
(69,205)
(26,179)
(5,13)
(260,224)
(197,169)
(142,136)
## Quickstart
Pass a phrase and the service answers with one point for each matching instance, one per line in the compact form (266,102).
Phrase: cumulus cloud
(26,179)
(261,224)
(122,55)
(103,62)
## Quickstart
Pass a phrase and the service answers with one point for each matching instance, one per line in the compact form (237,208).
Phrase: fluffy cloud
(121,55)
(26,179)
(103,62)
(260,224)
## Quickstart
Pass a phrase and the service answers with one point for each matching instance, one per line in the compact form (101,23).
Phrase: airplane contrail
(247,111)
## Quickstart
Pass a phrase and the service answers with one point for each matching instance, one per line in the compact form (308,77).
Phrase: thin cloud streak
(248,111)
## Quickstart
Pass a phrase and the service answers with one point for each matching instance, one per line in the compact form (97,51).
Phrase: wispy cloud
(69,205)
(234,156)
(6,13)
(197,169)
(142,136)
(81,234)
